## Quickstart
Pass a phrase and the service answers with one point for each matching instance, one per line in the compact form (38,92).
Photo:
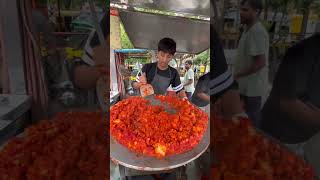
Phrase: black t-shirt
(221,77)
(202,86)
(297,77)
(150,70)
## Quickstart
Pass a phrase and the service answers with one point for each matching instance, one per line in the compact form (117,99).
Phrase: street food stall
(70,143)
(129,65)
(146,34)
(188,24)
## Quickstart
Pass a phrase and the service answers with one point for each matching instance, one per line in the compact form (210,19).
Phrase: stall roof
(131,51)
(146,29)
(196,7)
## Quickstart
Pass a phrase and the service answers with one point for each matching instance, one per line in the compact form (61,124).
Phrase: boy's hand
(143,79)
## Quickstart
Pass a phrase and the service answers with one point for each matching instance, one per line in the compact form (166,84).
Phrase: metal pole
(215,10)
(97,26)
(238,15)
(13,45)
(59,16)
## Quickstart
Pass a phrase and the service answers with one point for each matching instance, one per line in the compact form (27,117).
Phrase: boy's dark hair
(255,4)
(167,45)
(189,62)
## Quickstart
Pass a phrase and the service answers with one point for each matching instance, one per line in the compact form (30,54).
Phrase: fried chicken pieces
(73,145)
(150,130)
(243,154)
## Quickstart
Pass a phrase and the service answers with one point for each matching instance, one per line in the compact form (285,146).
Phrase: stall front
(145,28)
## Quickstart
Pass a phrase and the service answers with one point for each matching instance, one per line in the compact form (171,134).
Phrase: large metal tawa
(129,159)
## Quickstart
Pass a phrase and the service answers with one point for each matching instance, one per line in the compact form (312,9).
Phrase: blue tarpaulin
(131,51)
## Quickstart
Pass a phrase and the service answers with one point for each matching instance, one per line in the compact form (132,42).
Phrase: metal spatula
(147,92)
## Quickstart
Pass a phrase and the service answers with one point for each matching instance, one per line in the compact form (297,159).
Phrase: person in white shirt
(189,79)
(251,66)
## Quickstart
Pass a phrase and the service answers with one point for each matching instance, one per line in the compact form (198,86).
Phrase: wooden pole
(34,4)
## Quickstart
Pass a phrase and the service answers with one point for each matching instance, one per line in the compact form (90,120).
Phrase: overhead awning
(145,30)
(196,7)
(131,51)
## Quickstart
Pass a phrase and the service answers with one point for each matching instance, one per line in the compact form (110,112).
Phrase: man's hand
(300,111)
(102,69)
(182,94)
(143,79)
(185,98)
(189,82)
(136,85)
(205,97)
(85,77)
(258,63)
(229,104)
(140,81)
(313,106)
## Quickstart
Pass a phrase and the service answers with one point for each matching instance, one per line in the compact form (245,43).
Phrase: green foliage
(203,58)
(295,6)
(76,4)
(285,6)
(317,7)
(134,60)
(125,41)
(302,5)
(266,24)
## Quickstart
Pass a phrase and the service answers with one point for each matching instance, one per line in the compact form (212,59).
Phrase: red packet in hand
(146,90)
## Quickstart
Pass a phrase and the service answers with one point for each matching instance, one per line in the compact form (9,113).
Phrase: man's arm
(142,79)
(257,47)
(231,103)
(177,86)
(299,110)
(292,81)
(189,81)
(203,96)
(136,85)
(259,62)
(190,77)
(86,77)
(202,87)
(182,94)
